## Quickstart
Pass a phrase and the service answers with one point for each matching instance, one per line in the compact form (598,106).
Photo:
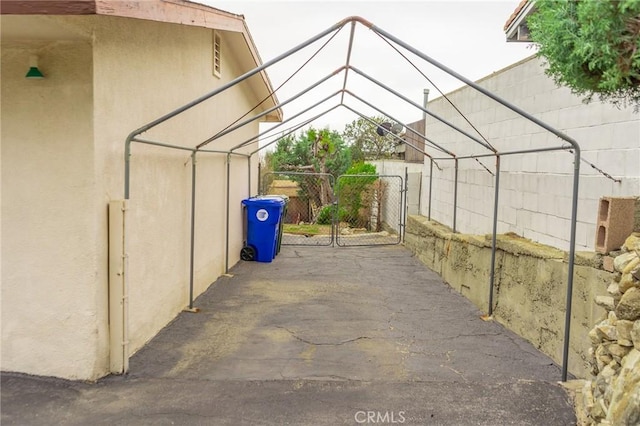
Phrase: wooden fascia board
(277,115)
(47,7)
(171,11)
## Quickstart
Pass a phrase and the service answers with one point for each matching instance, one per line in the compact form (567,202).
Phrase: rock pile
(613,396)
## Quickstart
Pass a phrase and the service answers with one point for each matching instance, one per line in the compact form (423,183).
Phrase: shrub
(325,217)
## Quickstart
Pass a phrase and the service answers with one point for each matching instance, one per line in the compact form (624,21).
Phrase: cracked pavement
(316,337)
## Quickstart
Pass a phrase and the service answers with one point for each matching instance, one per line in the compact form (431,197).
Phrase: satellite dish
(398,129)
(383,128)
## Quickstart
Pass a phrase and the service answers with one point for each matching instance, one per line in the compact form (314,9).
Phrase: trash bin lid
(263,202)
(285,198)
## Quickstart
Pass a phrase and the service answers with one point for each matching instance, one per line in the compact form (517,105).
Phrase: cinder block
(615,222)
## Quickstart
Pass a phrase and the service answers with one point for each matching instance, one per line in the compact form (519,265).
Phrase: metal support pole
(127,166)
(455,196)
(249,176)
(406,203)
(425,102)
(572,254)
(505,153)
(226,257)
(494,236)
(259,178)
(349,49)
(430,187)
(193,227)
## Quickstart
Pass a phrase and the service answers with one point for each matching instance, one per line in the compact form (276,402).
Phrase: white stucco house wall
(110,67)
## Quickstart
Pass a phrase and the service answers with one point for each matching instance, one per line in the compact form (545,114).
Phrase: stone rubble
(612,397)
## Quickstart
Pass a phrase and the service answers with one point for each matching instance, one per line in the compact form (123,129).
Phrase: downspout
(425,103)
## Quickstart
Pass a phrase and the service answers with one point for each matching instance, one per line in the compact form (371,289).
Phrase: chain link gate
(360,210)
(369,210)
(308,219)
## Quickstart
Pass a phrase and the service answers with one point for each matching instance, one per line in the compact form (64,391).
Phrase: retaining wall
(530,284)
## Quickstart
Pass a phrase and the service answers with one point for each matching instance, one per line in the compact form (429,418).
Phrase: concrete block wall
(535,189)
(391,211)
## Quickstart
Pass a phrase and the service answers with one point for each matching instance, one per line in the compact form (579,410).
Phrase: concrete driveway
(321,336)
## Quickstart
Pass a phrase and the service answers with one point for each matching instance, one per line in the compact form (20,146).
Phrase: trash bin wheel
(247,253)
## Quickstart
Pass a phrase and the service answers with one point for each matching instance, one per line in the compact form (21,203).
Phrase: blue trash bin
(262,221)
(283,215)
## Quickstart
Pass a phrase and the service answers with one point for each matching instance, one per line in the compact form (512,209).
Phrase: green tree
(591,46)
(366,143)
(317,151)
(314,151)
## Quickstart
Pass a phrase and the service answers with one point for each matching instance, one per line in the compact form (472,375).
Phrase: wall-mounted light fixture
(34,72)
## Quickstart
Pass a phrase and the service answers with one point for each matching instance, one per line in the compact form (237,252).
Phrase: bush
(325,217)
(351,189)
(362,169)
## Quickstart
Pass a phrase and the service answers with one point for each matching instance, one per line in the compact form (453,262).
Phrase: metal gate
(357,210)
(369,210)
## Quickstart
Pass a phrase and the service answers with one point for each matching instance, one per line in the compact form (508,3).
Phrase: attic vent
(217,58)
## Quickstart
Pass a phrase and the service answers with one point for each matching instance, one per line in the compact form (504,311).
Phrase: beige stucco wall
(52,323)
(168,66)
(62,162)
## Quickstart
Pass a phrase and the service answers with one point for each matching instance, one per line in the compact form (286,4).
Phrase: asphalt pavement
(320,336)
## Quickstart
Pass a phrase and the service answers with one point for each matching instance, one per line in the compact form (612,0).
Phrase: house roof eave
(48,7)
(515,28)
(277,115)
(182,12)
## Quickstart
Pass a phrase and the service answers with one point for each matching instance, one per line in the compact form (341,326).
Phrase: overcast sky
(466,36)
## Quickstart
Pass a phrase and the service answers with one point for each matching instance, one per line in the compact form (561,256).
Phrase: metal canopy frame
(570,144)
